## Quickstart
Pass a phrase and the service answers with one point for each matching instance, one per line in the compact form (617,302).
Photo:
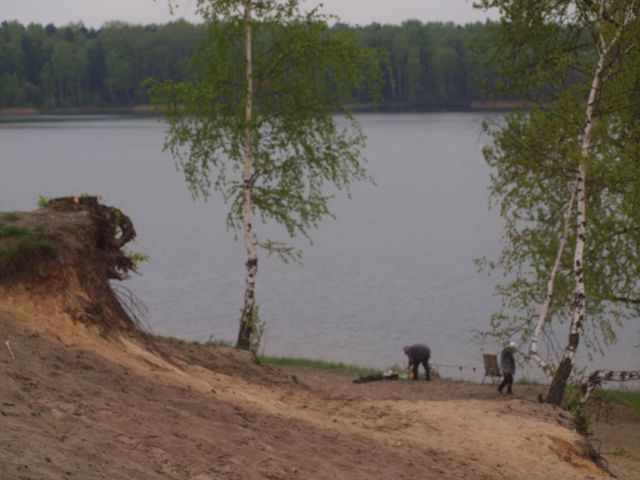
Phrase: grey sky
(93,13)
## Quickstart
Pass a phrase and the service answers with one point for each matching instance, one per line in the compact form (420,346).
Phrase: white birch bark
(580,304)
(544,308)
(244,335)
(580,307)
(556,389)
(579,310)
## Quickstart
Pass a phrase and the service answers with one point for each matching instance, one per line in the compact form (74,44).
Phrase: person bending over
(418,354)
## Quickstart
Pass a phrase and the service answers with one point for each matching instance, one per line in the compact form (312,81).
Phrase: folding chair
(491,368)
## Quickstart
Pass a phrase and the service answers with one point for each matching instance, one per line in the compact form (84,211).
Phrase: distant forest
(429,65)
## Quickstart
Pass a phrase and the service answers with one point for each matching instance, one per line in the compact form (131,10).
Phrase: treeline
(49,67)
(430,65)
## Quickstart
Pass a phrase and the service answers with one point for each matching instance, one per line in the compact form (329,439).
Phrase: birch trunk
(544,309)
(246,320)
(559,382)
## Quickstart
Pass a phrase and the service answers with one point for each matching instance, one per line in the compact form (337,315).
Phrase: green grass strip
(630,399)
(332,367)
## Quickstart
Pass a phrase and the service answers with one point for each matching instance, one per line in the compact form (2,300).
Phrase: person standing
(416,355)
(508,367)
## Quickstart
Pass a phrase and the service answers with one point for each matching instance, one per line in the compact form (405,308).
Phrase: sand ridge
(78,404)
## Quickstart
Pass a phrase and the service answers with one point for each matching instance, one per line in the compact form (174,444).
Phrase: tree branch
(544,309)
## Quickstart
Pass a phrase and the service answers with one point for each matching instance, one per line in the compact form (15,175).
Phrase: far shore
(493,105)
(32,111)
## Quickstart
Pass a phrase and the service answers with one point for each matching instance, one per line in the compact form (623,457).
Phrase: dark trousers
(506,382)
(425,364)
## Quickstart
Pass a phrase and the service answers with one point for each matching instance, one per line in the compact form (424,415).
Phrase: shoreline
(32,112)
(148,110)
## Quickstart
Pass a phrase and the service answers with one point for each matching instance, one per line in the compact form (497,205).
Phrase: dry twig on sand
(10,351)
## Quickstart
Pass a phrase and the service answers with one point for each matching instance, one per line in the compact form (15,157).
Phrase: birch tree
(575,151)
(258,122)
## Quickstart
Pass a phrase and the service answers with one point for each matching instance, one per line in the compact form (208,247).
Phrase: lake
(394,267)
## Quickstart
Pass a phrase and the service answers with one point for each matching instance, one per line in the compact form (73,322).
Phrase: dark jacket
(417,353)
(507,362)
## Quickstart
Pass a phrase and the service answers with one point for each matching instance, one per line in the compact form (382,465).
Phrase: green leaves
(549,52)
(304,74)
(258,125)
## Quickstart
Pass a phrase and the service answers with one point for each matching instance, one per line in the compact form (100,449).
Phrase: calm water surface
(394,267)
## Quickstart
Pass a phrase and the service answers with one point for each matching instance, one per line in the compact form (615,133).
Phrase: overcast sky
(94,13)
